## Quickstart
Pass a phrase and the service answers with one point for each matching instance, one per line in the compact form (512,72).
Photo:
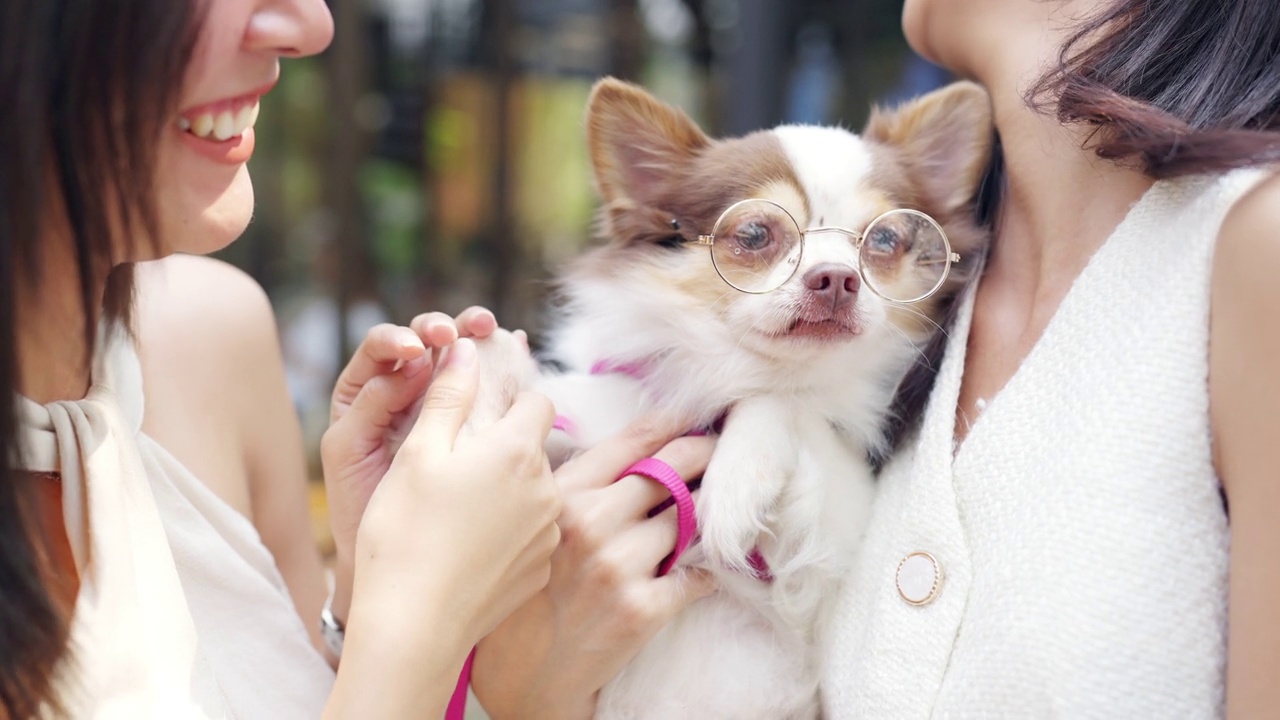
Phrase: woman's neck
(1061,202)
(53,361)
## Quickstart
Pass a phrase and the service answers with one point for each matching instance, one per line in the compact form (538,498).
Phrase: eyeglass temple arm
(953,258)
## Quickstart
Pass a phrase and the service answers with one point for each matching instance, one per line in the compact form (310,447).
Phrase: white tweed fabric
(1080,525)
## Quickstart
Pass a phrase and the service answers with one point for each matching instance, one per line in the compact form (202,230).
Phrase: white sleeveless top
(1079,529)
(181,611)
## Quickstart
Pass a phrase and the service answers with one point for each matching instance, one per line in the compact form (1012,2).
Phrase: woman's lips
(223,131)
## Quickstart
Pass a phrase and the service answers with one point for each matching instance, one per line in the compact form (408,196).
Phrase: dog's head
(665,185)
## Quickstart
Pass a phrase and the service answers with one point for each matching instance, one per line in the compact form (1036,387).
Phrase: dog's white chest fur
(788,478)
(785,481)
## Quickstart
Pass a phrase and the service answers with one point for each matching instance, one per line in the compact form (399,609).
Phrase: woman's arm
(216,399)
(1244,383)
(440,541)
(275,462)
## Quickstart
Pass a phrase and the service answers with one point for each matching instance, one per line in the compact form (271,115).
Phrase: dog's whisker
(923,360)
(912,311)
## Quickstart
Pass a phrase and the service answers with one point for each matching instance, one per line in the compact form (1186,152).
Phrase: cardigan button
(919,578)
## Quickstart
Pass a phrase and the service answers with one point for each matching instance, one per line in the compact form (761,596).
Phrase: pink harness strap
(637,370)
(565,425)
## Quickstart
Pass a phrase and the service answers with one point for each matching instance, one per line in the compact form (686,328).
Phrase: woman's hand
(551,658)
(371,414)
(456,535)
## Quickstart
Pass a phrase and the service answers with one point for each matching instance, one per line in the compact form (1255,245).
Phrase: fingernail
(410,340)
(462,354)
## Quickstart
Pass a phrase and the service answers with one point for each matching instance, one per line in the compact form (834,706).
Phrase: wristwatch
(331,630)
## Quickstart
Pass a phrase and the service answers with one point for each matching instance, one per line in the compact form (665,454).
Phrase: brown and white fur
(806,375)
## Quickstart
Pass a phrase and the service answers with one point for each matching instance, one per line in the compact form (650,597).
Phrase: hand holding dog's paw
(461,523)
(551,658)
(376,401)
(506,368)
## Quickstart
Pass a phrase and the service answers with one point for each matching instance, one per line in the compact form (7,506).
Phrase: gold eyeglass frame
(710,240)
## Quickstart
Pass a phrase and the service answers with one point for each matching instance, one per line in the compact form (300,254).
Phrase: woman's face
(205,197)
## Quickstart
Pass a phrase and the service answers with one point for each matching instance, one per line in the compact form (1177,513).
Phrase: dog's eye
(883,240)
(753,236)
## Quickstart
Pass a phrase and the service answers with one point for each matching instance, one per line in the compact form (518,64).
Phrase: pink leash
(686,518)
(457,709)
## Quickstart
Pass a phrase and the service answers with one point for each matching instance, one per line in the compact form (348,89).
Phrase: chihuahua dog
(775,289)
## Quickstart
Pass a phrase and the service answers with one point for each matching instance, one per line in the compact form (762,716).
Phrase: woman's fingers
(646,544)
(530,412)
(436,329)
(635,495)
(383,397)
(384,347)
(678,590)
(603,464)
(448,401)
(476,322)
(363,427)
(439,330)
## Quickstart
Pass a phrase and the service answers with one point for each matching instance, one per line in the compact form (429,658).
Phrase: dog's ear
(636,141)
(943,141)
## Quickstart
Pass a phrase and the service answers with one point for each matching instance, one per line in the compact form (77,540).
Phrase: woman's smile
(222,131)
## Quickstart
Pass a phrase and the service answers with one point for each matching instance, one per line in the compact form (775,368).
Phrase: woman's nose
(291,28)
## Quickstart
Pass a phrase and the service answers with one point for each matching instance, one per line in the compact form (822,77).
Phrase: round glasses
(904,256)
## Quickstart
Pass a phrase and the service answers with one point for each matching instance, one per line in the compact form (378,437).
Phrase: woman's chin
(913,25)
(210,219)
(928,25)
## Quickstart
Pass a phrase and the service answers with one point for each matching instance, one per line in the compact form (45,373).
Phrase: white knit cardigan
(1079,528)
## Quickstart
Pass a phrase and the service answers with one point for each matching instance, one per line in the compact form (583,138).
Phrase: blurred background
(435,158)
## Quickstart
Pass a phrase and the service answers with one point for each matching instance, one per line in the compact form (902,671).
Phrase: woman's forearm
(395,666)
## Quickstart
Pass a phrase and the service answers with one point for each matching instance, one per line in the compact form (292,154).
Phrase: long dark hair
(1173,87)
(86,87)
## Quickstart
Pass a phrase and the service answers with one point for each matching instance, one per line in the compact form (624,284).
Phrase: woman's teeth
(220,126)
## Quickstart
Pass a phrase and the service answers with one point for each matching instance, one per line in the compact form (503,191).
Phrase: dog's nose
(833,282)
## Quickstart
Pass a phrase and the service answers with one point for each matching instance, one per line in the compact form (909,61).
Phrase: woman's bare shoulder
(1252,225)
(207,341)
(1245,341)
(211,305)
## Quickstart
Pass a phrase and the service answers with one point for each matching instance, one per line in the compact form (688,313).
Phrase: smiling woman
(155,559)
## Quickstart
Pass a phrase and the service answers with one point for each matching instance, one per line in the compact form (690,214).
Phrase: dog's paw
(506,368)
(755,457)
(729,524)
